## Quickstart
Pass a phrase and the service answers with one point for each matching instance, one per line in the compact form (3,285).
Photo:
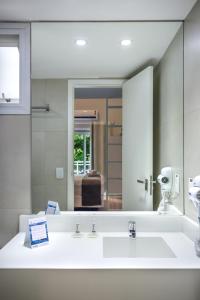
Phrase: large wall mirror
(107,115)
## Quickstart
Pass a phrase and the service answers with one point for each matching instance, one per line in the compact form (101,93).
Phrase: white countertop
(66,252)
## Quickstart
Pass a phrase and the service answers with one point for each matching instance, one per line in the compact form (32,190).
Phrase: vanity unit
(160,262)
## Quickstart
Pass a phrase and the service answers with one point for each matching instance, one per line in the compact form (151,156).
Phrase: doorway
(98,149)
(74,89)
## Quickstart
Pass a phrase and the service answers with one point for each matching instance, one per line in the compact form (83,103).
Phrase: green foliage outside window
(79,146)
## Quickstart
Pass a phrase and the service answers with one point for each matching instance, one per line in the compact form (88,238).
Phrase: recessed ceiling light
(125,43)
(81,42)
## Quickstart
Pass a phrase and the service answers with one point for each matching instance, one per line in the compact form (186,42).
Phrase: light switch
(59,173)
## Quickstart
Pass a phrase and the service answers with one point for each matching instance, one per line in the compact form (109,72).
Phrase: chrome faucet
(132,229)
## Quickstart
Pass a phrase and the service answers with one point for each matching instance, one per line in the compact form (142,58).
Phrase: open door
(137,142)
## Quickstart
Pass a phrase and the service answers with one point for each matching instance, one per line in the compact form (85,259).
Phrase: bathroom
(149,54)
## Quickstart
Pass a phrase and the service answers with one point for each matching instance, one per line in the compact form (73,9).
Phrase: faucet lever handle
(131,225)
(77,228)
(93,228)
(132,229)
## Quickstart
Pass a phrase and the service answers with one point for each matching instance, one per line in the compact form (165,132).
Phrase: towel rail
(42,107)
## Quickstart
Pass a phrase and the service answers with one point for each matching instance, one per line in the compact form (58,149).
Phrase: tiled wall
(49,143)
(191,102)
(168,114)
(15,173)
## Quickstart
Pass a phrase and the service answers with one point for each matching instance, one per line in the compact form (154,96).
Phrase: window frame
(23,31)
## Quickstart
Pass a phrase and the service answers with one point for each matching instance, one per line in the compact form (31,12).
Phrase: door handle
(140,181)
(145,182)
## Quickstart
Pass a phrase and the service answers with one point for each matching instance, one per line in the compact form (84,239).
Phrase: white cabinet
(14,68)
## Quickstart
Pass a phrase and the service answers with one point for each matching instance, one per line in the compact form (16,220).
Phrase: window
(82,152)
(9,71)
(14,68)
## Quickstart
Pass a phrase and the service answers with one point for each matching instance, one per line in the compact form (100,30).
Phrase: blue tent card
(37,233)
(52,208)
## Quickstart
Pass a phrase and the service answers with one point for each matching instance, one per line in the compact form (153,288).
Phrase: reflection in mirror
(98,149)
(121,135)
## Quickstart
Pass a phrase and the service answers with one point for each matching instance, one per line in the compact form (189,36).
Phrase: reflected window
(82,152)
(9,69)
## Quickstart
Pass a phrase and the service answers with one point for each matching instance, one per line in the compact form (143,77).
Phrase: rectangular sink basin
(149,247)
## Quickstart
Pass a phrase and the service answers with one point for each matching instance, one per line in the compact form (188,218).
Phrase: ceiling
(95,9)
(56,55)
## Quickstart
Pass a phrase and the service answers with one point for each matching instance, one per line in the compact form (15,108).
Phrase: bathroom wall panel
(15,173)
(9,223)
(115,170)
(191,102)
(15,167)
(115,116)
(115,135)
(168,114)
(39,196)
(115,186)
(115,102)
(115,153)
(38,157)
(49,142)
